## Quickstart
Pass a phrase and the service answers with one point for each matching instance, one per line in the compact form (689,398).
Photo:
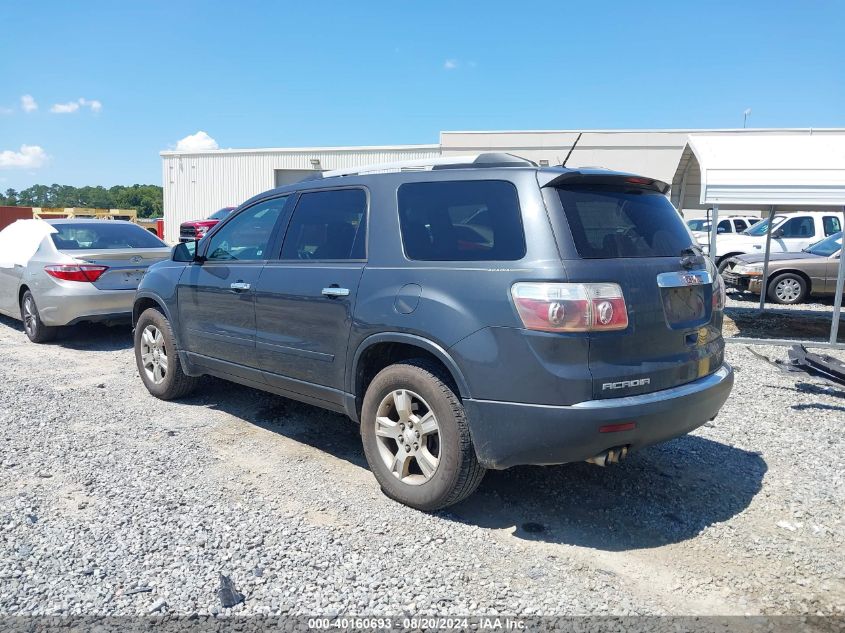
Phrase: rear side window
(831,225)
(102,236)
(741,225)
(328,225)
(609,222)
(467,220)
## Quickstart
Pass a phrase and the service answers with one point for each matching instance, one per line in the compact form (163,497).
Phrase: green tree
(147,200)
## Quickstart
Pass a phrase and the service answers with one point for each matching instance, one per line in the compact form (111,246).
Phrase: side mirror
(185,252)
(777,233)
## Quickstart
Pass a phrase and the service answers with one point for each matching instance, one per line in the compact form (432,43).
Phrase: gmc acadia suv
(469,313)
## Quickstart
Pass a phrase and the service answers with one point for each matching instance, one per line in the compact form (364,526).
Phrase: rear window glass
(467,220)
(608,222)
(102,236)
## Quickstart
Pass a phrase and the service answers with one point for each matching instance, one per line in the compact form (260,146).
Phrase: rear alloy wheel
(416,437)
(157,359)
(32,324)
(788,289)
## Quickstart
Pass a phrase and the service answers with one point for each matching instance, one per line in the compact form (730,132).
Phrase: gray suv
(470,313)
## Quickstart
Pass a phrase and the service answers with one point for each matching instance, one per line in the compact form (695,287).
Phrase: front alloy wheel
(153,354)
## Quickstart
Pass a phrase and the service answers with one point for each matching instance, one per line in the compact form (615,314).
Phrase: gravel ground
(112,502)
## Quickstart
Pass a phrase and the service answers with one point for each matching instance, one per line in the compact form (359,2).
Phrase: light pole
(745,117)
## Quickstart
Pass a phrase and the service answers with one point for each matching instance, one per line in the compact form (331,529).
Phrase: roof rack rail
(486,159)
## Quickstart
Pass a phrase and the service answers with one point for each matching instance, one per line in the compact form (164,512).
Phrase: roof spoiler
(610,179)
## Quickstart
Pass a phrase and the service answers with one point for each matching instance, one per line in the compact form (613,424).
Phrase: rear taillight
(76,272)
(556,307)
(719,293)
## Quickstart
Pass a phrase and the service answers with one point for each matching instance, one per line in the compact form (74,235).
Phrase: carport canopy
(805,171)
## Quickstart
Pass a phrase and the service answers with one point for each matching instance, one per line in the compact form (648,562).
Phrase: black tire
(458,472)
(723,263)
(174,382)
(34,328)
(788,289)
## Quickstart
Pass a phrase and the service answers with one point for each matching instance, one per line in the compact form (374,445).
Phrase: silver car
(72,271)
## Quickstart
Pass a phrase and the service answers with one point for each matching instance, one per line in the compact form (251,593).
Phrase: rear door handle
(334,291)
(239,285)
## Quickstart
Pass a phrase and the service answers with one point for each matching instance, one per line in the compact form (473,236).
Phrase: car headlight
(749,269)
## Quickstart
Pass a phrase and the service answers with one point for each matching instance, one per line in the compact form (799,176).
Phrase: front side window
(831,224)
(740,225)
(246,237)
(724,227)
(328,225)
(468,220)
(611,222)
(102,236)
(798,227)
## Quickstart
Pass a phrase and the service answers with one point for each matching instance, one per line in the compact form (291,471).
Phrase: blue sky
(136,77)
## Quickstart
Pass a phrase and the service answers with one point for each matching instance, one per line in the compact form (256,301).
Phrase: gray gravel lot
(112,502)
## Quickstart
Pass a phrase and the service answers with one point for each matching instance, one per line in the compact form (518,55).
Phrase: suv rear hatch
(623,230)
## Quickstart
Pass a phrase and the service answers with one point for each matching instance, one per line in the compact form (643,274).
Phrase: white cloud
(28,103)
(73,106)
(198,142)
(65,108)
(95,105)
(4,110)
(30,157)
(450,64)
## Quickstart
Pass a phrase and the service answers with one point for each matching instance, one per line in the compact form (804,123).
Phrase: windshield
(828,246)
(219,215)
(609,222)
(699,225)
(761,227)
(102,235)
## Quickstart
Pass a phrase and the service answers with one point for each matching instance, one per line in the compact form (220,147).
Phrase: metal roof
(771,169)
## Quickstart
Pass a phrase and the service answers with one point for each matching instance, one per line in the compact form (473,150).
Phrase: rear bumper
(66,305)
(509,434)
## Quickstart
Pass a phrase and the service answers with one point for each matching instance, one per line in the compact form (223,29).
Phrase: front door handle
(239,285)
(334,291)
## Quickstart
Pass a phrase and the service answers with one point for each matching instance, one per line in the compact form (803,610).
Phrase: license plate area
(686,298)
(132,276)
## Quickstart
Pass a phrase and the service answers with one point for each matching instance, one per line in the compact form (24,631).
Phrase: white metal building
(198,183)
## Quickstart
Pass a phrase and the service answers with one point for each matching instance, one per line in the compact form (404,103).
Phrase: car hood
(758,258)
(208,223)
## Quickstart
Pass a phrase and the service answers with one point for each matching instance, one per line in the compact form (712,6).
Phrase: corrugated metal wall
(196,185)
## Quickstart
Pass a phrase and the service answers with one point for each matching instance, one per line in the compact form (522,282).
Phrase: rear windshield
(102,236)
(608,222)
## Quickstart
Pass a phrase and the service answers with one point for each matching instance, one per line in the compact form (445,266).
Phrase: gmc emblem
(625,384)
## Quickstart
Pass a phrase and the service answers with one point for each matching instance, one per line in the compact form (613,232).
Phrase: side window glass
(328,225)
(741,225)
(724,227)
(471,220)
(831,225)
(798,227)
(246,237)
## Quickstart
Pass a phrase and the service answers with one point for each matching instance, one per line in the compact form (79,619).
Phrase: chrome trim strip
(702,384)
(659,396)
(684,278)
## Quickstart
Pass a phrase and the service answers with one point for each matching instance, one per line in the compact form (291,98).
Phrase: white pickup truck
(791,232)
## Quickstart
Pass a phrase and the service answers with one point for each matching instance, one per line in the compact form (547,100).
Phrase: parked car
(700,227)
(196,229)
(791,233)
(473,314)
(73,270)
(793,277)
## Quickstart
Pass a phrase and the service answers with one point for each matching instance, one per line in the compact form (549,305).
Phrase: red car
(196,229)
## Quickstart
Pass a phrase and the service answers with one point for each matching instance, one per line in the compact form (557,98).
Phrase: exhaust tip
(610,456)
